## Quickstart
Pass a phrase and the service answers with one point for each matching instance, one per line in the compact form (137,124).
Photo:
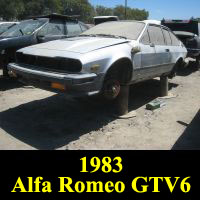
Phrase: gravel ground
(31,118)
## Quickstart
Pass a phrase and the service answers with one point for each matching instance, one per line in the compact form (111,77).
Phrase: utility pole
(125,9)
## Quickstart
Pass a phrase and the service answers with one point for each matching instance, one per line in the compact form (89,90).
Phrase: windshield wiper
(21,31)
(88,35)
(102,35)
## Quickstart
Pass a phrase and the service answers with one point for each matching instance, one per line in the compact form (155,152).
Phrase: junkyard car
(102,59)
(188,31)
(36,30)
(191,42)
(4,26)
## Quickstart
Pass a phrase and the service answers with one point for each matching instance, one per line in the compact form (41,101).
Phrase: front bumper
(74,84)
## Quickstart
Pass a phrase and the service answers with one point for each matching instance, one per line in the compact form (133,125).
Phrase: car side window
(156,35)
(167,37)
(73,29)
(145,38)
(52,28)
(175,41)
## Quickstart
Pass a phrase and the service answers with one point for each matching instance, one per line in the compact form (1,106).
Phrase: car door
(175,48)
(52,31)
(162,55)
(168,42)
(147,56)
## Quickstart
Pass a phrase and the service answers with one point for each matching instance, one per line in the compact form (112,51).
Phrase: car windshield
(5,27)
(24,28)
(123,29)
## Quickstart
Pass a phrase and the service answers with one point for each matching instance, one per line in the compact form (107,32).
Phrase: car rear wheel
(197,63)
(178,66)
(5,72)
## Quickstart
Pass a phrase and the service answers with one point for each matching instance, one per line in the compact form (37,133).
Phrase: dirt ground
(31,118)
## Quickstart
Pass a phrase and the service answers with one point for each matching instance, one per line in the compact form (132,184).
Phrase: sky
(159,9)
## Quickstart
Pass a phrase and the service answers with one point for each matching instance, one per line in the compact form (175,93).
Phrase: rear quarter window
(175,41)
(167,37)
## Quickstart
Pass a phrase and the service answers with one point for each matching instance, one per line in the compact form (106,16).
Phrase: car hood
(14,42)
(80,44)
(5,42)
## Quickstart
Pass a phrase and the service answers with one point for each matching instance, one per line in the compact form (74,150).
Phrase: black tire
(5,62)
(5,71)
(197,64)
(178,66)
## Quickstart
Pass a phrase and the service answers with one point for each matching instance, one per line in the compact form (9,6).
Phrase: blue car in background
(36,30)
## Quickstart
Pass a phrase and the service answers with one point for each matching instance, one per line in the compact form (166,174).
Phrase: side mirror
(136,49)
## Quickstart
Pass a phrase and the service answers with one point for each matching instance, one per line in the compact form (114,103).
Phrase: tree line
(21,9)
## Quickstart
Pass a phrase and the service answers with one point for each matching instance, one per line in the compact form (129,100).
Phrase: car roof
(125,21)
(144,22)
(153,22)
(101,17)
(157,23)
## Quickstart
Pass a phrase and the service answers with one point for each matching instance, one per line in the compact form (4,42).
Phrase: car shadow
(56,121)
(9,83)
(145,92)
(190,139)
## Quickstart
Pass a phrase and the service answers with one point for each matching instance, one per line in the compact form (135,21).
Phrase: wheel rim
(111,89)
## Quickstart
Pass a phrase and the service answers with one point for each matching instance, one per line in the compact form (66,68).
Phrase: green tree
(78,7)
(132,14)
(21,9)
(10,9)
(103,11)
(39,7)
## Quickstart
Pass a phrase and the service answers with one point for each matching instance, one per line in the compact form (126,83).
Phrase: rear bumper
(74,84)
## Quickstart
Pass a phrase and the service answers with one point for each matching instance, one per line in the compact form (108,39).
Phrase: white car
(101,59)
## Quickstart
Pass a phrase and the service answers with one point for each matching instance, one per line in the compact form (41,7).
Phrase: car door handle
(167,50)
